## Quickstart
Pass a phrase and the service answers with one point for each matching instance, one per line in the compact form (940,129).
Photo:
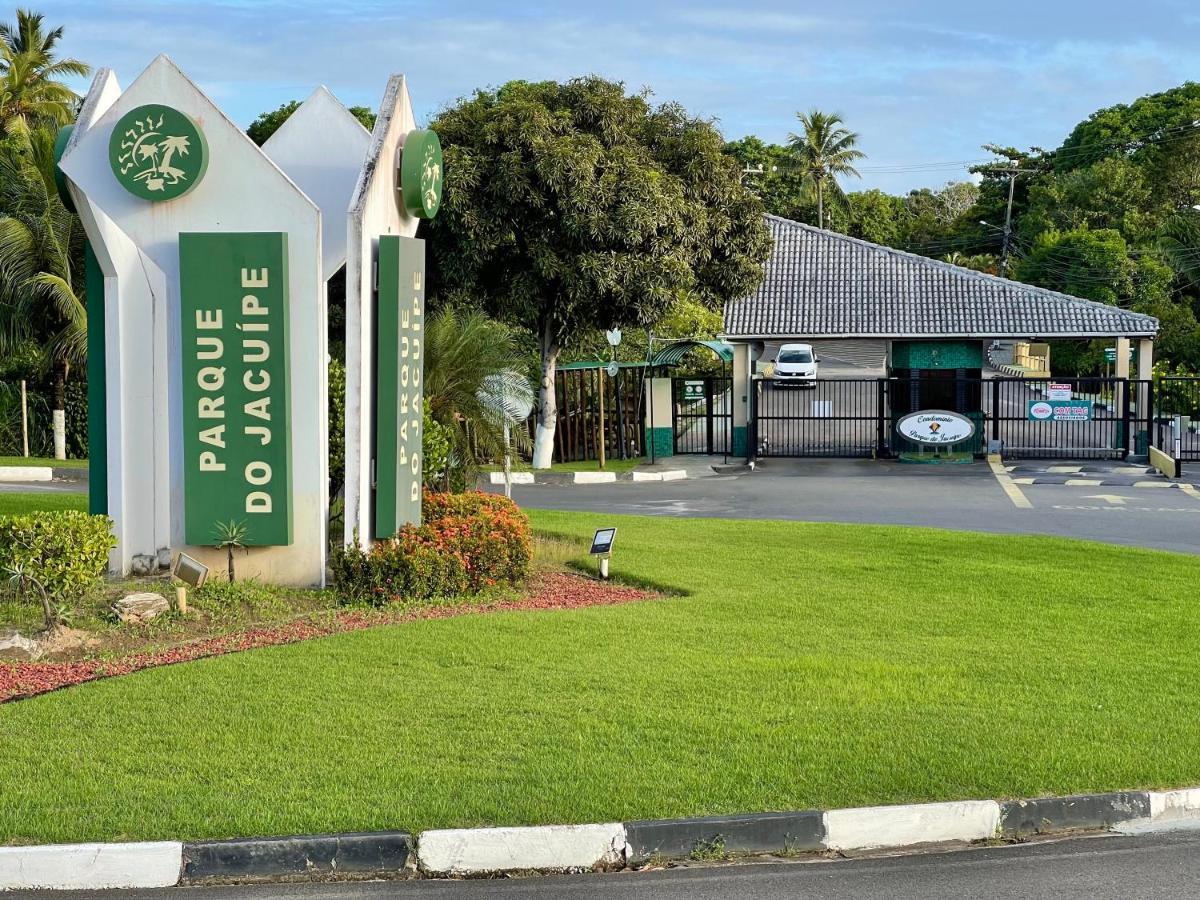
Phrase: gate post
(880,417)
(995,409)
(1125,394)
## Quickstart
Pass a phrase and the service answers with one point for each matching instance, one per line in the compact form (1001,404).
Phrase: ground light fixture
(190,571)
(602,547)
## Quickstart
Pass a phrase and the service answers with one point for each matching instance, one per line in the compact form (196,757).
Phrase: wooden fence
(577,434)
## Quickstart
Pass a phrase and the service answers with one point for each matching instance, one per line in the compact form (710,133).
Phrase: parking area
(1122,509)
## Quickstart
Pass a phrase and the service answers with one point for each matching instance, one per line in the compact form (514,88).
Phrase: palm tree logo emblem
(431,177)
(157,153)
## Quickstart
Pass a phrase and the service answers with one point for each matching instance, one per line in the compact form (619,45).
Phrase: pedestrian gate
(701,415)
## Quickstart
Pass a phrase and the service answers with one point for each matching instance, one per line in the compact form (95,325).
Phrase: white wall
(321,147)
(241,191)
(375,209)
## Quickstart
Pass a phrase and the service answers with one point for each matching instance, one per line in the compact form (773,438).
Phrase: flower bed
(466,543)
(555,591)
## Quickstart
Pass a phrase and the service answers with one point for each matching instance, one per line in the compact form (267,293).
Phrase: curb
(261,858)
(559,848)
(597,477)
(26,473)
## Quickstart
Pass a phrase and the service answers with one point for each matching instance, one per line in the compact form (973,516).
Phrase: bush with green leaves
(56,556)
(466,544)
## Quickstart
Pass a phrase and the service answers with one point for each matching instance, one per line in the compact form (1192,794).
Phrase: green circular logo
(421,173)
(157,153)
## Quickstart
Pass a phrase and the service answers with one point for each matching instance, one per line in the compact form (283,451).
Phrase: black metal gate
(1114,417)
(834,417)
(701,416)
(1076,418)
(1178,398)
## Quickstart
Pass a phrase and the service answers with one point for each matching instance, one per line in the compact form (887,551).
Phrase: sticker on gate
(1059,410)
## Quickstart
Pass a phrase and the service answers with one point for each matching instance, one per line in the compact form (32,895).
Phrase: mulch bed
(555,591)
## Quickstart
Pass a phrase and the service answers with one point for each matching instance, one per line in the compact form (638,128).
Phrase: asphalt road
(1097,868)
(962,497)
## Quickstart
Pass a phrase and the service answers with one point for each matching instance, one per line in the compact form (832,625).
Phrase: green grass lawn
(20,502)
(808,666)
(42,461)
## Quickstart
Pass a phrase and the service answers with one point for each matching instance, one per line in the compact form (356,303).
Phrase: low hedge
(65,552)
(467,543)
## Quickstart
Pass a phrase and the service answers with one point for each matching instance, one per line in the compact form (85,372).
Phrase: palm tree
(825,150)
(1179,241)
(30,89)
(41,282)
(474,384)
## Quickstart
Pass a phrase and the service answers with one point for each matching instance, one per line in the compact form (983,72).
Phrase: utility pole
(1012,189)
(1006,231)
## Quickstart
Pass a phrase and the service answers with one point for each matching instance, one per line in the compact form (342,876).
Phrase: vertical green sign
(399,382)
(237,450)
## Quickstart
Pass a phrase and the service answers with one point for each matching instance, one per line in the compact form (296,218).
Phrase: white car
(796,364)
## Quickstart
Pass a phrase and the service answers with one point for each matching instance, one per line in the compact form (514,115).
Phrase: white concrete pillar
(1121,371)
(660,431)
(743,367)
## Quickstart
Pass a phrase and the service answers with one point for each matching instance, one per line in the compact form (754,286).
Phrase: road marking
(1190,490)
(1132,470)
(1084,482)
(1062,470)
(1110,499)
(1024,481)
(1153,484)
(1020,501)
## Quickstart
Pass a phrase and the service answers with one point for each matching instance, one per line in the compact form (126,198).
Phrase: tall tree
(30,87)
(825,150)
(576,206)
(41,253)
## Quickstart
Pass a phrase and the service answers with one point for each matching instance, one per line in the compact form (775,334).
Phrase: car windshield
(795,356)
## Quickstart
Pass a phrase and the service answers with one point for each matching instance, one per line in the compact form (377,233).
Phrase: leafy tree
(261,129)
(1109,194)
(576,206)
(1144,129)
(824,151)
(875,216)
(474,384)
(30,87)
(41,251)
(770,172)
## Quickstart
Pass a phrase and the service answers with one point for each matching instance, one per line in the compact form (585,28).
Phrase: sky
(925,84)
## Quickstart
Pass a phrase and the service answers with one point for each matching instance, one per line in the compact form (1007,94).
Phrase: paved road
(1099,868)
(963,497)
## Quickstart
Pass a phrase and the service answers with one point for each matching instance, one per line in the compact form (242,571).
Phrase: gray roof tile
(819,283)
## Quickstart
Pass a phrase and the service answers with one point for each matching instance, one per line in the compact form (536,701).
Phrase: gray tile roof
(819,283)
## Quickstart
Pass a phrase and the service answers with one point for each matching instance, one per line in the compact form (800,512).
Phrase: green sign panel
(237,450)
(400,335)
(693,390)
(421,173)
(1059,410)
(157,153)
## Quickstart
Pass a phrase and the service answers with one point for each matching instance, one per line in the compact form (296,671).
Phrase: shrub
(467,543)
(59,554)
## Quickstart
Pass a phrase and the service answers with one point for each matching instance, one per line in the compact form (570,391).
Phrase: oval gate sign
(935,426)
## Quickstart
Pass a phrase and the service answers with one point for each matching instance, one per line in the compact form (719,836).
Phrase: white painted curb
(91,866)
(26,473)
(515,477)
(474,851)
(674,475)
(1169,805)
(902,826)
(595,477)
